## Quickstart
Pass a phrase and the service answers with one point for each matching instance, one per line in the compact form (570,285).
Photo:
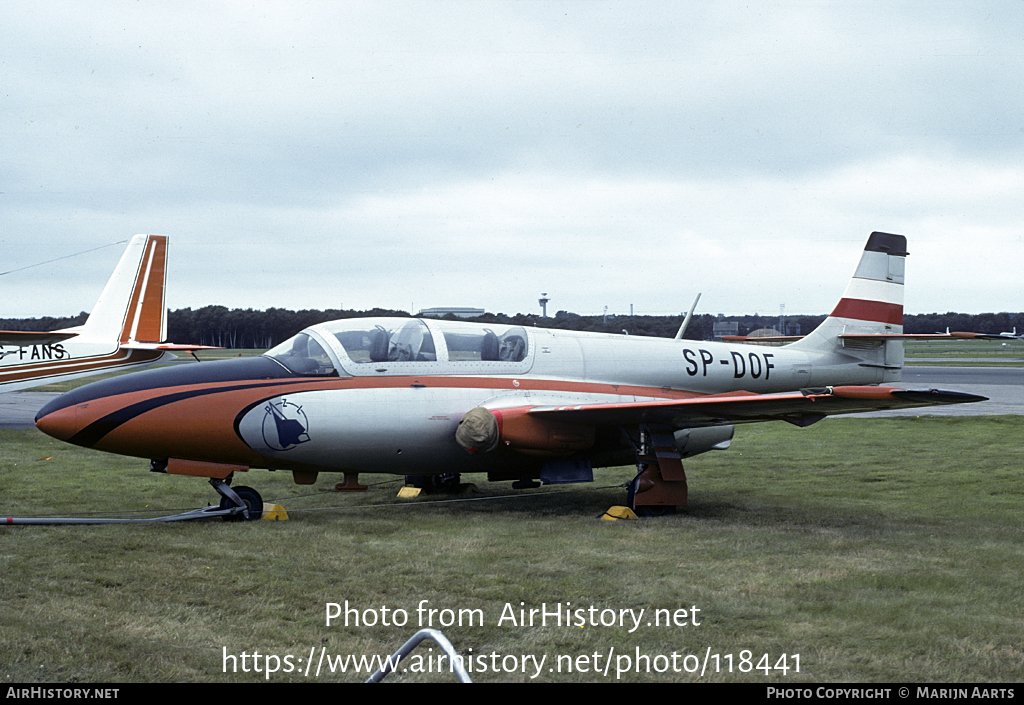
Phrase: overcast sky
(417,154)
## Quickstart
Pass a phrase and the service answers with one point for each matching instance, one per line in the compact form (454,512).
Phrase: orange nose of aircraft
(146,403)
(61,423)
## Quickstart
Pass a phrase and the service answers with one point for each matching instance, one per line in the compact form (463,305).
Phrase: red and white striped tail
(873,301)
(874,297)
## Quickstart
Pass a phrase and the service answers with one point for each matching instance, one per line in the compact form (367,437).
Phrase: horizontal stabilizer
(761,338)
(28,337)
(182,347)
(955,335)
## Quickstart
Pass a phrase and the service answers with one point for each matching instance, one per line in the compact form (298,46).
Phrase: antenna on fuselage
(686,321)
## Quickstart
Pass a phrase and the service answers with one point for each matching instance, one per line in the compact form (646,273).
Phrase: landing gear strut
(247,502)
(660,482)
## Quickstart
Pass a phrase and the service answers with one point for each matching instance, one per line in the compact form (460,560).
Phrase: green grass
(965,353)
(876,549)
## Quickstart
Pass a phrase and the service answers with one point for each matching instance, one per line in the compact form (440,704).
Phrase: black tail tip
(887,243)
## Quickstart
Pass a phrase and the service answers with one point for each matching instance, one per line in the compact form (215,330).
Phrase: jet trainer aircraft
(432,399)
(126,327)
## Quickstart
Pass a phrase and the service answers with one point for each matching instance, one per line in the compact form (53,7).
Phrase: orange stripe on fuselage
(205,414)
(58,368)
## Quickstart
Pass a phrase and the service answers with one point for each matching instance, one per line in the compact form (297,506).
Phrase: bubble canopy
(359,346)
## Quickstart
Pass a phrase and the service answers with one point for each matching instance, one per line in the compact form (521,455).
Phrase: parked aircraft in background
(126,328)
(1012,335)
(973,336)
(433,399)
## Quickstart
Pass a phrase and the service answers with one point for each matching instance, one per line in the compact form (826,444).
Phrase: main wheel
(253,502)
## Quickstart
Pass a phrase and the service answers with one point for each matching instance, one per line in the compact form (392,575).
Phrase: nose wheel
(247,502)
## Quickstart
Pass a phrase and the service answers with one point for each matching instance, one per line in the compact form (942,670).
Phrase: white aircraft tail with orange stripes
(126,328)
(131,307)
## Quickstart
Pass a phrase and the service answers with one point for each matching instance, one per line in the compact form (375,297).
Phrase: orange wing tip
(920,396)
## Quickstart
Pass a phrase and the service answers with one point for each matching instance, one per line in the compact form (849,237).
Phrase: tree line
(248,328)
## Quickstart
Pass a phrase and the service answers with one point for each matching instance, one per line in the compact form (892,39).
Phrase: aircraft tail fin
(131,308)
(867,322)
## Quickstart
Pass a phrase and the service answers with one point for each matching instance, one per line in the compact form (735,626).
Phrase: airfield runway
(18,409)
(1004,386)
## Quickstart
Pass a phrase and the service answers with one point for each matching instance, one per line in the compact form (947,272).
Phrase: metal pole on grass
(407,647)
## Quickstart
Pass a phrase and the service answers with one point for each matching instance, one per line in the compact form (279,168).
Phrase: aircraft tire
(252,499)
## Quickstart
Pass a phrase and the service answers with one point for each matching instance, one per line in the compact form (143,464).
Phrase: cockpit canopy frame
(402,346)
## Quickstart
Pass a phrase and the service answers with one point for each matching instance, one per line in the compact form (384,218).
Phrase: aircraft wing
(801,408)
(31,337)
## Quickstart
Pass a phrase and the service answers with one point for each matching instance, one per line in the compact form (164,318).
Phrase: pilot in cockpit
(513,348)
(406,343)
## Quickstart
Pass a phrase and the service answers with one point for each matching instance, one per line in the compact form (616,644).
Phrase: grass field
(872,549)
(971,353)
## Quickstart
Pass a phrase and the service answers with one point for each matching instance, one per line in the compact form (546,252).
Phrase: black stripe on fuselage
(248,372)
(94,432)
(238,370)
